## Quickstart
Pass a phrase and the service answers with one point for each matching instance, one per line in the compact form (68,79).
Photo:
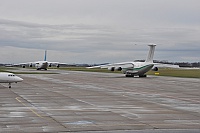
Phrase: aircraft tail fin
(45,55)
(151,53)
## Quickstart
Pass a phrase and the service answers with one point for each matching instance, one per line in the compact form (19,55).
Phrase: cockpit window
(11,75)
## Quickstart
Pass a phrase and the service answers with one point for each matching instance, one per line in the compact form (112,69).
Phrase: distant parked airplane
(39,65)
(9,78)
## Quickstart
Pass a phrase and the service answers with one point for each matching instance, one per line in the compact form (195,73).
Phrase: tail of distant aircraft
(45,55)
(151,53)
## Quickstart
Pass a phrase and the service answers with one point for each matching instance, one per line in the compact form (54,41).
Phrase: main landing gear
(128,74)
(142,76)
(131,75)
(41,69)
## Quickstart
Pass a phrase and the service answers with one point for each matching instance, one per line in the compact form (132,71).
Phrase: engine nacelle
(155,69)
(111,68)
(49,65)
(118,68)
(115,68)
(58,66)
(23,66)
(31,65)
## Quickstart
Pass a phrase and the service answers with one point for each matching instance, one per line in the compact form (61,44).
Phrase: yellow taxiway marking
(17,98)
(47,118)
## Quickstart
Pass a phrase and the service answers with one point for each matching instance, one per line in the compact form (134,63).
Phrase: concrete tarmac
(90,102)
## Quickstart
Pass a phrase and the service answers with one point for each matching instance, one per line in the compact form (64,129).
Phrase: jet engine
(31,65)
(118,68)
(58,66)
(50,65)
(111,68)
(115,68)
(155,69)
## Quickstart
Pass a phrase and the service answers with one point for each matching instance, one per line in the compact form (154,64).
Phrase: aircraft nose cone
(19,79)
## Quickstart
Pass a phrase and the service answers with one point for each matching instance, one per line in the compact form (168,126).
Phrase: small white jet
(9,78)
(131,69)
(39,65)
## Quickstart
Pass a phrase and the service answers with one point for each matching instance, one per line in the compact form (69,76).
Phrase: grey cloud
(111,28)
(106,41)
(13,33)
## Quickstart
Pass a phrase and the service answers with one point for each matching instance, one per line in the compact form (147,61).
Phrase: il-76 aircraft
(39,65)
(131,69)
(9,78)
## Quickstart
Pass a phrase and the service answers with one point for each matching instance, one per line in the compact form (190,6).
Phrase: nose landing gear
(9,85)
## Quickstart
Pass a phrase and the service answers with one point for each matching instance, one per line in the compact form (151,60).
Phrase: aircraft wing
(122,65)
(25,64)
(57,64)
(160,65)
(53,62)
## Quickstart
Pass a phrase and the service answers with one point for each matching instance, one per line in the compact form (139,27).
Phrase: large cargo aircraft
(39,65)
(131,69)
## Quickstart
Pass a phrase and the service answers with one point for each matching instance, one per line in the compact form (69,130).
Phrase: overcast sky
(98,31)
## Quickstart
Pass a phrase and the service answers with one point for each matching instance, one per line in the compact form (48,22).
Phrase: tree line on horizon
(181,64)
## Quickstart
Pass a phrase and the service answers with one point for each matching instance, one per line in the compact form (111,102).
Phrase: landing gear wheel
(142,76)
(9,85)
(129,75)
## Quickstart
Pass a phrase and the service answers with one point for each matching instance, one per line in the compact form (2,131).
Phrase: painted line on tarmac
(33,111)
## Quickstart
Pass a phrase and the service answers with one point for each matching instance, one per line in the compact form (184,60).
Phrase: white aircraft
(9,78)
(131,69)
(39,65)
